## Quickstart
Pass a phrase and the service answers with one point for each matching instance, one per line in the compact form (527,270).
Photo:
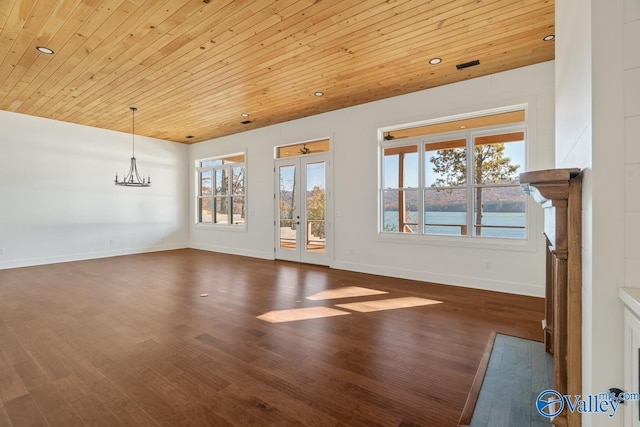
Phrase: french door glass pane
(445,211)
(315,207)
(287,207)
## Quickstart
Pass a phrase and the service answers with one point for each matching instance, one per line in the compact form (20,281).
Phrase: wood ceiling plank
(196,83)
(128,67)
(189,66)
(5,10)
(488,68)
(19,66)
(486,63)
(221,59)
(78,62)
(279,74)
(85,23)
(463,51)
(507,35)
(74,62)
(16,19)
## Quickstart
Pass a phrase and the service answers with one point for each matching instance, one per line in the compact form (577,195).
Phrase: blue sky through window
(513,150)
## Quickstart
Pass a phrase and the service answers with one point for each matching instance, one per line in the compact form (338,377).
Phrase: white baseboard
(446,279)
(29,262)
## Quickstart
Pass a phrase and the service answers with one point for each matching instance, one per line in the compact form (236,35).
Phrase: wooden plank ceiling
(193,67)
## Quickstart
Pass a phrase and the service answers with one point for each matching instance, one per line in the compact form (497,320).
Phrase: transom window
(221,190)
(462,183)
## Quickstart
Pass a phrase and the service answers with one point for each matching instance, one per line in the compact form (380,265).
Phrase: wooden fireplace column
(559,191)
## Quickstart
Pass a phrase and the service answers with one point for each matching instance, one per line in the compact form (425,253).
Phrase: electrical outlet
(112,242)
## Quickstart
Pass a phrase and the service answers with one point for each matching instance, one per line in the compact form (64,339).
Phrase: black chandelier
(132,178)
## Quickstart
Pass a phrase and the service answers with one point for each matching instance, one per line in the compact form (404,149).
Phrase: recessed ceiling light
(435,61)
(45,50)
(549,37)
(244,115)
(318,93)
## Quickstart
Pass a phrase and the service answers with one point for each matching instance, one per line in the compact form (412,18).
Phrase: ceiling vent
(468,64)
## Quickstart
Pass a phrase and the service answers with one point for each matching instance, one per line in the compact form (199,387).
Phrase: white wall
(632,141)
(58,201)
(591,88)
(358,246)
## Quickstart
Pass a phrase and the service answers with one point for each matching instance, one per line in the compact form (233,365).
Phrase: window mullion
(421,187)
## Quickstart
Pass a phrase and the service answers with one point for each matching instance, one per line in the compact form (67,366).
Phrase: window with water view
(460,182)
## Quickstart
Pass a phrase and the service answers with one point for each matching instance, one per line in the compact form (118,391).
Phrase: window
(221,190)
(460,183)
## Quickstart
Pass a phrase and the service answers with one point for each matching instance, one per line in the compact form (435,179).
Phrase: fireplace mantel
(559,192)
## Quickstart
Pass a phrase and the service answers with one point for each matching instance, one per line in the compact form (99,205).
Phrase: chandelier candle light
(132,178)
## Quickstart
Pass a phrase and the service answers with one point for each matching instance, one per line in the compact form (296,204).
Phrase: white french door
(302,209)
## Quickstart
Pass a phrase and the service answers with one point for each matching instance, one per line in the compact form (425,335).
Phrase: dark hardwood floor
(130,341)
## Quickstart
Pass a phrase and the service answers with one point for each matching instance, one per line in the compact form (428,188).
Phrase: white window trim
(527,244)
(198,170)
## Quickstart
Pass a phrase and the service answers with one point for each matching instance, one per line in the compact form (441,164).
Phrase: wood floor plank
(4,417)
(55,407)
(147,398)
(84,402)
(129,341)
(23,411)
(11,387)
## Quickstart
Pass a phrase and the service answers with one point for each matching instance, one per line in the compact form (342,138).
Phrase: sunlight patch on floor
(345,292)
(388,304)
(294,314)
